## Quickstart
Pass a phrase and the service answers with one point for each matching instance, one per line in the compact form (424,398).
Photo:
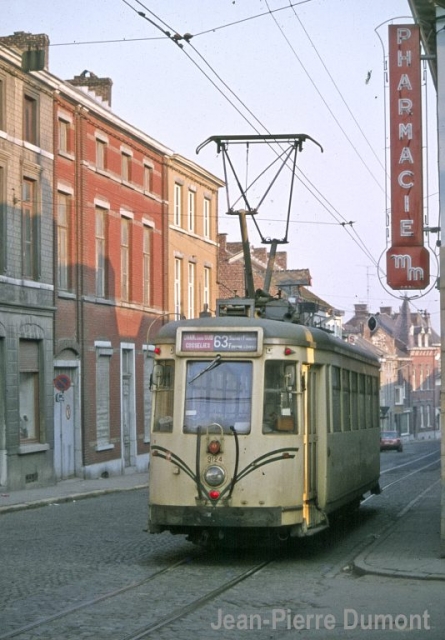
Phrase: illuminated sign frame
(233,342)
(407,260)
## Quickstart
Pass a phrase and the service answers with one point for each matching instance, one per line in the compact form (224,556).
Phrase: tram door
(310,381)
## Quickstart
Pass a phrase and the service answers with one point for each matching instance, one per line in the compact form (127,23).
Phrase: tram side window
(280,398)
(361,401)
(162,385)
(354,400)
(372,402)
(375,403)
(346,400)
(336,399)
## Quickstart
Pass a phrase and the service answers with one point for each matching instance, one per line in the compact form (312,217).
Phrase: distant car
(390,440)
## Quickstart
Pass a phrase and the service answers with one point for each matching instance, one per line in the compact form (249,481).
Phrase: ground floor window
(103,359)
(29,391)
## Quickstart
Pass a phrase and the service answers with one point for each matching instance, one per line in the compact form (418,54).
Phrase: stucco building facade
(26,274)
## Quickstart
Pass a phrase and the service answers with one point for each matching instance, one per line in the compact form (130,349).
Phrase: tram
(261,424)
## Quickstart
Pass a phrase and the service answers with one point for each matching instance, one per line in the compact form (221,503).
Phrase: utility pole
(440,57)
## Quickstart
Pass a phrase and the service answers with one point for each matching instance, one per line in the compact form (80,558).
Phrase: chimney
(101,87)
(222,240)
(23,42)
(361,311)
(386,310)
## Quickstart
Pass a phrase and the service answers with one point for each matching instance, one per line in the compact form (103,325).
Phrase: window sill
(32,448)
(66,154)
(104,447)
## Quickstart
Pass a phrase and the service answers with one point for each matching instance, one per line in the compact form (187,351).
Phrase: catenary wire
(338,90)
(314,84)
(357,240)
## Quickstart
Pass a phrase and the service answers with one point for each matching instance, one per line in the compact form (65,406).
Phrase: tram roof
(272,330)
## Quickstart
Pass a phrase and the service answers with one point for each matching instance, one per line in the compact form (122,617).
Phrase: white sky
(315,68)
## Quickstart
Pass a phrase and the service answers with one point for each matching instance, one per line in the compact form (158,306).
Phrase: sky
(312,67)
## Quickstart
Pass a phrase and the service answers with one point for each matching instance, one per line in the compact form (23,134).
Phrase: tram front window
(162,384)
(280,397)
(218,392)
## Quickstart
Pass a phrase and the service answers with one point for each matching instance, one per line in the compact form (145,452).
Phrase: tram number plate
(213,459)
(239,341)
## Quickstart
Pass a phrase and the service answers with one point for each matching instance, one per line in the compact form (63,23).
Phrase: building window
(399,395)
(63,211)
(191,210)
(191,290)
(206,288)
(103,358)
(177,289)
(29,229)
(125,259)
(147,239)
(101,154)
(177,205)
(125,167)
(2,104)
(30,120)
(64,136)
(148,178)
(427,378)
(206,218)
(101,281)
(29,391)
(3,227)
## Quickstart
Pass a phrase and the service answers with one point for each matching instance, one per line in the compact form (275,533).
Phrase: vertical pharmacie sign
(407,261)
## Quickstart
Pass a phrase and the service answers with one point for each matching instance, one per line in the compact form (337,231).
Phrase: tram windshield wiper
(215,363)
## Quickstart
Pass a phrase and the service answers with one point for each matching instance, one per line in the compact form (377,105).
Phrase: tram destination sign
(219,341)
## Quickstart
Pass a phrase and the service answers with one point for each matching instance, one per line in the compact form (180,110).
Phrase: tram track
(409,462)
(99,607)
(92,601)
(179,587)
(196,604)
(411,473)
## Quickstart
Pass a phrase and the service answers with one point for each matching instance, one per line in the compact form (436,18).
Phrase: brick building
(288,283)
(192,238)
(409,351)
(84,270)
(110,195)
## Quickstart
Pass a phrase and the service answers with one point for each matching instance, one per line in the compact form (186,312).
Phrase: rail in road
(177,590)
(60,624)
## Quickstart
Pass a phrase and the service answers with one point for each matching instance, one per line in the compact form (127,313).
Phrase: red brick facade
(110,183)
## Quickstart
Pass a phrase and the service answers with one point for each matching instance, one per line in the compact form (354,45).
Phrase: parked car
(390,440)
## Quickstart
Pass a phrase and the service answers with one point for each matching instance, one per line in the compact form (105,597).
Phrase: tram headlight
(214,476)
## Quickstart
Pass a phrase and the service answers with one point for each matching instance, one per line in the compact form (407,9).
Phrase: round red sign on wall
(62,382)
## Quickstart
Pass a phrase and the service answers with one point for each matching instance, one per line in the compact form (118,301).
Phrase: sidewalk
(409,548)
(69,490)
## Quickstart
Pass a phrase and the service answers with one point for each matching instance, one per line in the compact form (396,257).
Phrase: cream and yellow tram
(259,425)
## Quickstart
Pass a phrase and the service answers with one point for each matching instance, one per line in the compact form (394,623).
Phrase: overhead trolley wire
(177,39)
(325,102)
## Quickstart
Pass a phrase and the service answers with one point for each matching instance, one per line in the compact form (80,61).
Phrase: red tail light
(214,447)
